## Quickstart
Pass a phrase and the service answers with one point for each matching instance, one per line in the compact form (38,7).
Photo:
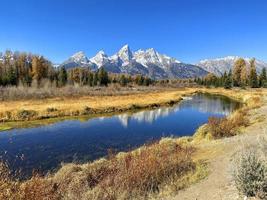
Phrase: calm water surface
(44,148)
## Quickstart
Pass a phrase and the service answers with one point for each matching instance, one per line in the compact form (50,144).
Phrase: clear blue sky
(189,30)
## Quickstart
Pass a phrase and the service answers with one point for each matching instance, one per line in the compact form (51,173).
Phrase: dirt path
(219,184)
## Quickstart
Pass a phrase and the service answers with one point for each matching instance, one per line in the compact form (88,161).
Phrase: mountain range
(151,63)
(218,66)
(146,62)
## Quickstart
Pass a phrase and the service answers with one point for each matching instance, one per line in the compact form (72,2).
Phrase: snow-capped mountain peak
(101,53)
(146,62)
(125,54)
(100,59)
(152,56)
(79,57)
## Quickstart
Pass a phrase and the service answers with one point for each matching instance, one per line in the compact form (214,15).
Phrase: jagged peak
(101,53)
(79,57)
(125,50)
(139,51)
(78,54)
(124,54)
(126,47)
(151,49)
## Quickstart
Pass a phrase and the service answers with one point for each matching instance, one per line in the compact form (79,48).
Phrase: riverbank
(31,113)
(16,114)
(221,154)
(96,179)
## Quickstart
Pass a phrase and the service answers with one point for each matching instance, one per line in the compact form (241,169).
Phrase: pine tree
(263,78)
(238,66)
(139,80)
(147,81)
(123,80)
(11,77)
(224,77)
(62,77)
(90,80)
(103,77)
(228,81)
(95,79)
(1,74)
(253,79)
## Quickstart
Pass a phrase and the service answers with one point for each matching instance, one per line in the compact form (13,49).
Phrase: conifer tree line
(25,69)
(241,75)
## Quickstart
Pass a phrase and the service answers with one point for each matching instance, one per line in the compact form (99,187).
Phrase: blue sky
(188,30)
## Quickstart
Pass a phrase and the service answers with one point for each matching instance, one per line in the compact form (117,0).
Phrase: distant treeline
(241,76)
(26,69)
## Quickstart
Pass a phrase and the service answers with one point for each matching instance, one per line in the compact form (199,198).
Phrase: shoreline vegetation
(28,113)
(36,112)
(152,171)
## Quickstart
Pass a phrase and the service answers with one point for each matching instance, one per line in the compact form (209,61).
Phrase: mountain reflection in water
(211,104)
(45,147)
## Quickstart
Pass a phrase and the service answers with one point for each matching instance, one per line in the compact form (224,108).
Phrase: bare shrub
(39,188)
(51,109)
(227,127)
(26,114)
(9,189)
(250,176)
(130,175)
(135,107)
(221,127)
(239,118)
(138,174)
(254,102)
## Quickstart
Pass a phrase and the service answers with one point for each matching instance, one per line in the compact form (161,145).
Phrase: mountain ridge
(220,65)
(147,62)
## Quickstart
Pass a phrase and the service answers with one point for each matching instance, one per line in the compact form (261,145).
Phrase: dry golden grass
(145,173)
(21,110)
(60,107)
(229,126)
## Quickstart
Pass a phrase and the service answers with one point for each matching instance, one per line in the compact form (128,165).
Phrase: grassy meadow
(152,171)
(34,111)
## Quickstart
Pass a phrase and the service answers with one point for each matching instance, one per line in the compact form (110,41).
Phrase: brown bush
(226,127)
(133,175)
(221,127)
(138,173)
(9,189)
(39,188)
(26,114)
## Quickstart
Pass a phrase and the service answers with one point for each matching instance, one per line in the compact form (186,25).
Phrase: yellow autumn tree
(244,76)
(238,66)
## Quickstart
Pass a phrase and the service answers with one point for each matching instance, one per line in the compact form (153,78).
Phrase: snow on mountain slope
(150,56)
(79,59)
(146,62)
(220,65)
(123,57)
(100,59)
